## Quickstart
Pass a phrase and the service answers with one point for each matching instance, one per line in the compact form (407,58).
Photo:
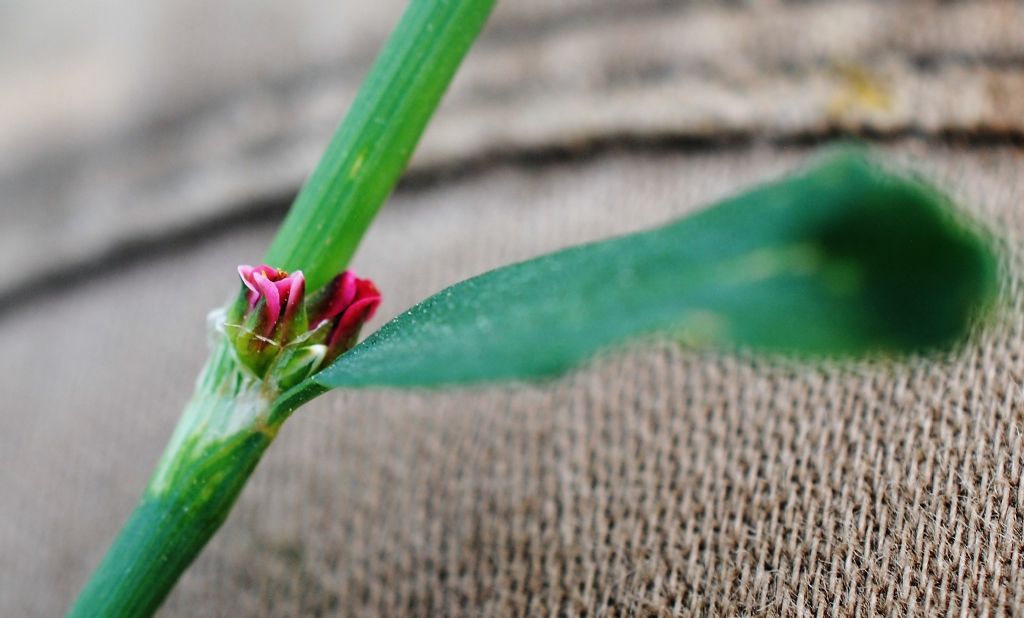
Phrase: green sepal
(255,350)
(287,331)
(295,364)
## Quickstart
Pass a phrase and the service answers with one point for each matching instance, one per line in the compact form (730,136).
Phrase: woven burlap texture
(655,481)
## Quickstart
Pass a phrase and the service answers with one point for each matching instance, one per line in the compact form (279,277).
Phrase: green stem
(221,436)
(372,146)
(232,418)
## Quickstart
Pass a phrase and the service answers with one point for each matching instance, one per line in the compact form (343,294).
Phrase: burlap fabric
(659,481)
(656,481)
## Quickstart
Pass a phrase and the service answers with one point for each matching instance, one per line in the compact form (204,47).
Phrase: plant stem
(232,417)
(221,436)
(372,146)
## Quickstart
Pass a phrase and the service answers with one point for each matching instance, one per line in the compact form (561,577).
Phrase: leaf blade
(845,259)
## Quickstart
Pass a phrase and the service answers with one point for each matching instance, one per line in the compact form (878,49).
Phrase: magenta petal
(371,303)
(344,294)
(248,273)
(283,287)
(354,317)
(296,289)
(366,288)
(269,292)
(348,287)
(245,273)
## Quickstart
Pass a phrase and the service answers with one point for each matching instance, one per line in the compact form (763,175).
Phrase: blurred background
(148,148)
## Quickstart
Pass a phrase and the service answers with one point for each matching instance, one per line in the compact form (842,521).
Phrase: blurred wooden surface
(203,119)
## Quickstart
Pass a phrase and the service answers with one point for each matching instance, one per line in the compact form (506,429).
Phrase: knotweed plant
(843,259)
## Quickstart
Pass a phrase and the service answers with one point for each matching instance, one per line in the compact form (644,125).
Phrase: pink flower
(347,302)
(277,288)
(280,335)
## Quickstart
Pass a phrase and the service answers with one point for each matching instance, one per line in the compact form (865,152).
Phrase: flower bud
(272,334)
(269,313)
(341,308)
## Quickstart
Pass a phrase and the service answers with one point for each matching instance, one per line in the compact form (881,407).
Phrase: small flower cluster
(281,335)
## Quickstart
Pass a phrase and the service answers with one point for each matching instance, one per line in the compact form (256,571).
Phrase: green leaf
(373,144)
(843,259)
